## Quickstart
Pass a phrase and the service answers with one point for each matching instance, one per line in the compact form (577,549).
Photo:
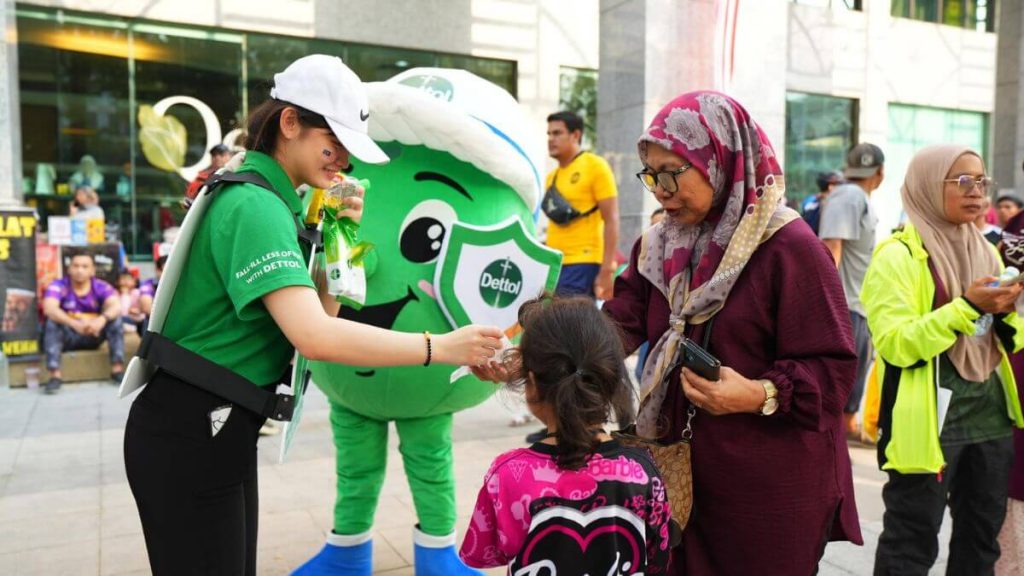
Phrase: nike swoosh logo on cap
(363,115)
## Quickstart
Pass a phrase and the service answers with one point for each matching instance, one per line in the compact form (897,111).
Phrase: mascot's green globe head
(446,166)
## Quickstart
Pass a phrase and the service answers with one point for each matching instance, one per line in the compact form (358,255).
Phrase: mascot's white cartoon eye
(424,229)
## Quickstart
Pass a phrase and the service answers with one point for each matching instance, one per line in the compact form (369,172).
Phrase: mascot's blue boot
(341,556)
(436,556)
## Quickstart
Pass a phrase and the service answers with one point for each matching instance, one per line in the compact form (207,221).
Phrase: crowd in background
(817,334)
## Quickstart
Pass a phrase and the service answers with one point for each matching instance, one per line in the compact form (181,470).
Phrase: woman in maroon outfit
(772,478)
(1011,538)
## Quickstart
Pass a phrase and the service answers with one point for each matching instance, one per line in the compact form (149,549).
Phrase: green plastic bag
(344,253)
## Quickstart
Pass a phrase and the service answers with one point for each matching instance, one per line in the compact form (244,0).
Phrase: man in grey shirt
(848,229)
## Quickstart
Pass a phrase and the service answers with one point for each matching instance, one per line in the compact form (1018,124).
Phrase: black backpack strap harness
(187,366)
(213,185)
(164,354)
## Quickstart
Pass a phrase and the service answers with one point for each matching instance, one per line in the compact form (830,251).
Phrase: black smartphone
(700,361)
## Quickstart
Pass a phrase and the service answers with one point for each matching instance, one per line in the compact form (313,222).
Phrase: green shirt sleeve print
(256,249)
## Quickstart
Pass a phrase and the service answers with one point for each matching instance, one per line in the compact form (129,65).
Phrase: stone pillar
(654,50)
(621,95)
(10,117)
(1008,121)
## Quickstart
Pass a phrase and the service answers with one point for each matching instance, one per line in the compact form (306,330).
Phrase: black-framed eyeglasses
(967,183)
(666,178)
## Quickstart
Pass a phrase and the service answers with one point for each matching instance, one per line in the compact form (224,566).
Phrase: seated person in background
(81,312)
(147,291)
(219,156)
(132,317)
(87,205)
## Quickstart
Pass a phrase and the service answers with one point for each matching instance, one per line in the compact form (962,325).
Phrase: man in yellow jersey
(581,202)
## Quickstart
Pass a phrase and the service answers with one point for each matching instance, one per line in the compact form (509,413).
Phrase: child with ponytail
(577,501)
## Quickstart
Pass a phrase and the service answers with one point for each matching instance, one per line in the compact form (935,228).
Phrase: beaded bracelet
(426,336)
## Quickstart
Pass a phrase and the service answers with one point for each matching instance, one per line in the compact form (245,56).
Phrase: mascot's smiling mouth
(379,315)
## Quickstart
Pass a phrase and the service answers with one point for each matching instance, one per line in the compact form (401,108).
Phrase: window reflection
(75,111)
(577,92)
(819,132)
(914,127)
(972,14)
(203,68)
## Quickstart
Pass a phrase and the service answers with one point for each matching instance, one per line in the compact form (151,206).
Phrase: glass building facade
(578,93)
(977,15)
(147,100)
(819,132)
(914,127)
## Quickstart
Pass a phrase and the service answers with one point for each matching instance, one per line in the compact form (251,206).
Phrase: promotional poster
(19,331)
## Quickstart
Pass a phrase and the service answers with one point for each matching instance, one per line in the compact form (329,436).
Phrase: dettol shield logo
(485,273)
(501,283)
(436,86)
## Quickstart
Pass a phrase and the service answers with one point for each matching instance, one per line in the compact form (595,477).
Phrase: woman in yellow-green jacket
(949,399)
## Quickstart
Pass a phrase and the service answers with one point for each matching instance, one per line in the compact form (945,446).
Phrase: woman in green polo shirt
(244,302)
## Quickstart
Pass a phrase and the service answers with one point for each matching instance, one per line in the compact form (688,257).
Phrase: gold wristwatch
(771,403)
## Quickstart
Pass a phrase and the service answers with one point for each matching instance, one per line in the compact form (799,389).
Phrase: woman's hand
(353,206)
(995,299)
(733,394)
(468,346)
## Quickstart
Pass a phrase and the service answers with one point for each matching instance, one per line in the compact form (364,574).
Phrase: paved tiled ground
(65,507)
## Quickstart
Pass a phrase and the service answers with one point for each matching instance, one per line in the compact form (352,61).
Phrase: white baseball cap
(324,85)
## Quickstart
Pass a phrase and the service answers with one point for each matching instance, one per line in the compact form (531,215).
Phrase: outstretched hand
(492,371)
(468,346)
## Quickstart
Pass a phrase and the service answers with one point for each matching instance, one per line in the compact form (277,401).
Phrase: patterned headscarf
(716,135)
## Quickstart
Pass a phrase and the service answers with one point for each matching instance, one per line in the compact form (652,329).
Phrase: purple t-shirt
(89,304)
(148,288)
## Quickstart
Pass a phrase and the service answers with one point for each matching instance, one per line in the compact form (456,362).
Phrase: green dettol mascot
(457,157)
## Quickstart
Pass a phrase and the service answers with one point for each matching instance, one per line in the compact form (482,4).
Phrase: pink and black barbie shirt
(610,517)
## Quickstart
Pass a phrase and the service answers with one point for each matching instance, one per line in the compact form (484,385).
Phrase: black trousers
(196,491)
(975,484)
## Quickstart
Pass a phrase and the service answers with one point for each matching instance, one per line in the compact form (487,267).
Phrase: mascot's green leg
(361,445)
(426,447)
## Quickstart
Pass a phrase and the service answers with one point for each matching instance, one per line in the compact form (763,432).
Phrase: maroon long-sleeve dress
(769,491)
